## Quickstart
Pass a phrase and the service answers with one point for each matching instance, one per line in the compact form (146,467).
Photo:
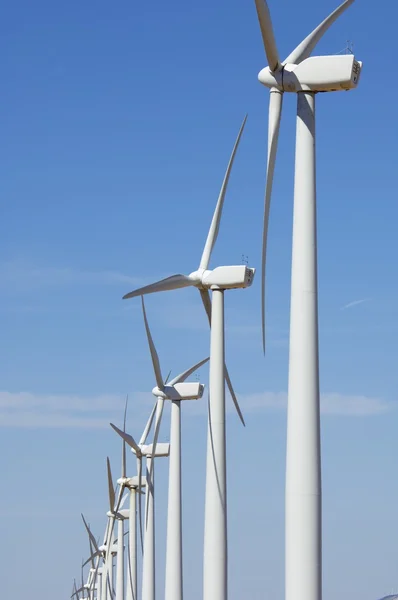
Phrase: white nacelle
(227,278)
(315,74)
(180,391)
(188,390)
(125,513)
(132,482)
(160,450)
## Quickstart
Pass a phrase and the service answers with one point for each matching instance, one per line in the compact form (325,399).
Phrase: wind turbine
(204,279)
(134,485)
(107,549)
(149,452)
(175,391)
(299,73)
(120,516)
(218,280)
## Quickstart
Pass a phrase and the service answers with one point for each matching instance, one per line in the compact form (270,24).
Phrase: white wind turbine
(105,551)
(149,452)
(134,485)
(217,280)
(299,73)
(100,554)
(175,391)
(120,516)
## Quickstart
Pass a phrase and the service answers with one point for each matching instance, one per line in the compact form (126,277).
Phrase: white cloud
(25,409)
(355,303)
(331,404)
(17,276)
(29,410)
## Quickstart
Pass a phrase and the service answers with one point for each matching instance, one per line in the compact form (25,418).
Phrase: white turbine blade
(93,581)
(215,223)
(274,120)
(124,441)
(111,491)
(233,395)
(123,501)
(159,413)
(154,354)
(91,559)
(139,469)
(304,49)
(130,441)
(130,574)
(204,294)
(106,533)
(108,551)
(148,426)
(183,376)
(174,282)
(267,33)
(120,500)
(90,535)
(91,552)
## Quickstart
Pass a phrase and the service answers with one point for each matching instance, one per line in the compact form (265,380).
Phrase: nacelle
(180,391)
(323,74)
(315,74)
(228,278)
(162,449)
(188,390)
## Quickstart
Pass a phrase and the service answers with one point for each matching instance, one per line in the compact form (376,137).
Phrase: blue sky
(118,121)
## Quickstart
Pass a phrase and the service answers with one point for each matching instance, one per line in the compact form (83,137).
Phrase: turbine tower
(306,76)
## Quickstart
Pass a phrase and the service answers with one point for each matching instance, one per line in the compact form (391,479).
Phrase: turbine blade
(267,32)
(159,413)
(123,500)
(90,535)
(154,354)
(233,396)
(215,223)
(305,48)
(120,501)
(91,552)
(111,491)
(128,438)
(274,120)
(90,559)
(139,465)
(183,376)
(158,419)
(108,551)
(148,426)
(174,282)
(204,294)
(130,574)
(124,441)
(167,378)
(93,581)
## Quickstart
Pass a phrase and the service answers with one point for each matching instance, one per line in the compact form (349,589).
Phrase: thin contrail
(355,303)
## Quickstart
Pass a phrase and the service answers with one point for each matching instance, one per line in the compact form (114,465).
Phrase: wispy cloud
(355,303)
(17,276)
(29,410)
(26,409)
(331,404)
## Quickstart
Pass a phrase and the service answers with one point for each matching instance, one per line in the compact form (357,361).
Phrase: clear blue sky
(117,124)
